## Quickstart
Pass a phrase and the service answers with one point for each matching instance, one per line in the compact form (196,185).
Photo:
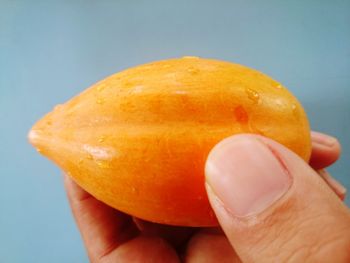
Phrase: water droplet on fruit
(279,86)
(100,101)
(135,191)
(192,70)
(137,89)
(101,87)
(128,84)
(39,150)
(102,138)
(102,164)
(240,114)
(253,95)
(294,109)
(254,129)
(180,92)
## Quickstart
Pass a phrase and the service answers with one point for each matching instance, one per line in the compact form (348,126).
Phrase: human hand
(272,206)
(111,236)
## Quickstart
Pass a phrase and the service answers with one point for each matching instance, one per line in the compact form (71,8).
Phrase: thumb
(272,206)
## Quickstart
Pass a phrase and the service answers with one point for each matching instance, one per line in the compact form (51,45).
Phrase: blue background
(50,51)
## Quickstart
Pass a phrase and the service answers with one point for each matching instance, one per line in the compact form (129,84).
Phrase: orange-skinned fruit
(138,140)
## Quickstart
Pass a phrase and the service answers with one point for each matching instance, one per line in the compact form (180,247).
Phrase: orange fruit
(138,140)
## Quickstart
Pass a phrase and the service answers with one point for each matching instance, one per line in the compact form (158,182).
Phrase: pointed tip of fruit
(37,135)
(34,136)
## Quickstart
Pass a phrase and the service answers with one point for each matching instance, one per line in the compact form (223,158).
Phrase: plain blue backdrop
(51,50)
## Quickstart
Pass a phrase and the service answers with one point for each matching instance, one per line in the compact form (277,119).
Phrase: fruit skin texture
(138,140)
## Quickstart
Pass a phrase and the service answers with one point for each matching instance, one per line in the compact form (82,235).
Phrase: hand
(303,221)
(272,206)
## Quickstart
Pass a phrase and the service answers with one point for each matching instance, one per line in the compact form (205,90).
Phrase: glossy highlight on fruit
(138,140)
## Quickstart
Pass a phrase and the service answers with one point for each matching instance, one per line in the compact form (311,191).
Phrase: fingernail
(323,139)
(246,176)
(337,187)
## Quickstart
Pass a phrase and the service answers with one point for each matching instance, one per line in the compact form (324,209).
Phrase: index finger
(325,150)
(103,228)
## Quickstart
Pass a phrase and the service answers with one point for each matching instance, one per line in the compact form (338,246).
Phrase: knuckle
(318,244)
(305,236)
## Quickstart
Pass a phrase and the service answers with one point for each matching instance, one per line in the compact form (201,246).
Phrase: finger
(210,246)
(175,235)
(271,205)
(102,228)
(337,187)
(325,150)
(144,250)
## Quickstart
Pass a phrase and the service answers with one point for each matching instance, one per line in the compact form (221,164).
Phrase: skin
(111,236)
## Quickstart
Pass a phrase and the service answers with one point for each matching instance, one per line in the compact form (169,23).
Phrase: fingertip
(74,191)
(175,235)
(144,249)
(67,181)
(210,246)
(323,139)
(326,150)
